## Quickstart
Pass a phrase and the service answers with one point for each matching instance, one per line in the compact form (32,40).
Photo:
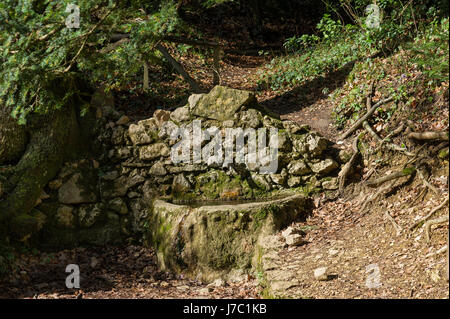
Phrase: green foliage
(43,60)
(336,44)
(431,50)
(330,28)
(326,56)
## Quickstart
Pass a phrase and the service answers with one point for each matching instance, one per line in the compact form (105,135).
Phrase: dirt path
(364,256)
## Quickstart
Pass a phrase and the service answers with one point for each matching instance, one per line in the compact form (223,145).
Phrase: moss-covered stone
(221,103)
(209,241)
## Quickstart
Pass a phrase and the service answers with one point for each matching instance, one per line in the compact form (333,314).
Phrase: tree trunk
(13,138)
(42,146)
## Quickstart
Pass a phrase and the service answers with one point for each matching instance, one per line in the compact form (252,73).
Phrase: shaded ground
(111,272)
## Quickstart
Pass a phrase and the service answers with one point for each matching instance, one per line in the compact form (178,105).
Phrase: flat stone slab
(221,103)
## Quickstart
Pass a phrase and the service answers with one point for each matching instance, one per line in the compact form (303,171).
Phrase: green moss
(408,171)
(443,154)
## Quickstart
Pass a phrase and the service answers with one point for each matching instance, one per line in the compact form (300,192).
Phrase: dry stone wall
(108,198)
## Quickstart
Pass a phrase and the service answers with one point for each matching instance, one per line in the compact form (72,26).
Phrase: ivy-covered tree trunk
(35,152)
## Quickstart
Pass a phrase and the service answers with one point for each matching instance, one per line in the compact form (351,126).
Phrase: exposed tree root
(397,227)
(434,210)
(426,183)
(437,221)
(381,180)
(365,117)
(348,166)
(429,136)
(375,196)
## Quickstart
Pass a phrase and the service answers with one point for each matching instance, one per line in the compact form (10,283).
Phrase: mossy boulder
(221,103)
(210,241)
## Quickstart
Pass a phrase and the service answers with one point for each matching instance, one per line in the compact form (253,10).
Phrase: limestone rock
(291,231)
(134,179)
(251,118)
(74,192)
(294,240)
(168,129)
(193,100)
(260,181)
(298,168)
(158,169)
(110,176)
(294,128)
(181,114)
(89,214)
(284,143)
(294,181)
(217,237)
(299,143)
(123,120)
(94,262)
(140,213)
(228,124)
(320,273)
(138,135)
(219,282)
(161,116)
(279,179)
(118,205)
(118,188)
(221,103)
(149,152)
(64,216)
(117,136)
(316,144)
(324,167)
(180,184)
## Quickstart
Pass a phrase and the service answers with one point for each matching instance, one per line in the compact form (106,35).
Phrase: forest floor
(338,235)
